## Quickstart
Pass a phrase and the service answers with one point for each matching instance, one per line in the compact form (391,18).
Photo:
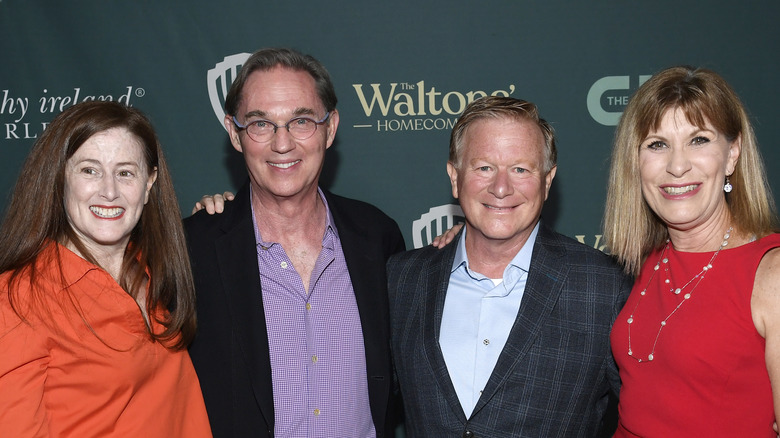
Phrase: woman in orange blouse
(96,293)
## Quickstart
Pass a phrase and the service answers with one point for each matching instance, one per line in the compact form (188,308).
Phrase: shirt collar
(521,260)
(74,267)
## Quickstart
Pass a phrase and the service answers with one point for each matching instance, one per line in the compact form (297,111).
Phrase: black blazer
(555,373)
(230,351)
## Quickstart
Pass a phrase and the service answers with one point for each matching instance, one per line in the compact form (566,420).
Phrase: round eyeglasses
(263,130)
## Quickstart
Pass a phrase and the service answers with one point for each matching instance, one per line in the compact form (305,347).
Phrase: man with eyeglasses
(293,325)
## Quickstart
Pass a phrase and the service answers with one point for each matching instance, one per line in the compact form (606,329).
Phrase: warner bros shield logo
(436,221)
(219,80)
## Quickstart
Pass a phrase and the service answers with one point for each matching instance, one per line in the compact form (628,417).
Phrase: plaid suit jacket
(555,374)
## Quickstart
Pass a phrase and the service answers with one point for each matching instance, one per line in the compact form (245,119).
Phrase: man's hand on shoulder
(446,237)
(213,203)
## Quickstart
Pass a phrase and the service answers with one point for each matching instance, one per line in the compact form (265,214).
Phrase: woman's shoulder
(32,294)
(772,240)
(765,297)
(768,249)
(16,310)
(757,251)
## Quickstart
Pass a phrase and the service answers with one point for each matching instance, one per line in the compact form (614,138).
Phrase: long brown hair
(36,216)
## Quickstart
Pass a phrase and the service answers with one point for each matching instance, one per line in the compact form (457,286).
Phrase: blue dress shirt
(478,315)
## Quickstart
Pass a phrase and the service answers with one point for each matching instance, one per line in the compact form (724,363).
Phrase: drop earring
(727,187)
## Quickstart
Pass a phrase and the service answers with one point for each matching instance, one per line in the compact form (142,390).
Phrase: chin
(499,234)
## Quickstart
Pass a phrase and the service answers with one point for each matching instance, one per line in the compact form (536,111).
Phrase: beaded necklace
(697,278)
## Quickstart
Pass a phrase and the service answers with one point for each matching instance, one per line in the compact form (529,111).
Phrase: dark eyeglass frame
(286,126)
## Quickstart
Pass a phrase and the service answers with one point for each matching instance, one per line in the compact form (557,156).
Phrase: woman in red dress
(689,214)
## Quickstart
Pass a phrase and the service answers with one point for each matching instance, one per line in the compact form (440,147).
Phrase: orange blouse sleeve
(24,359)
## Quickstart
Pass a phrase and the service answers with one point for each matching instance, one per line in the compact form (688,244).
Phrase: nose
(282,142)
(501,186)
(108,188)
(678,163)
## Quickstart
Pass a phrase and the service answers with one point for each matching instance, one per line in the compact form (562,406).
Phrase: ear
(735,149)
(232,133)
(548,179)
(452,171)
(333,125)
(149,183)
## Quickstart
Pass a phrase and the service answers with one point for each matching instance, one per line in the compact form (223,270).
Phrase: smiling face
(501,183)
(282,167)
(682,168)
(107,184)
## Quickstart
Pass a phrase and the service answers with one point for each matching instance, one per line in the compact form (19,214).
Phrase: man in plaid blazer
(505,331)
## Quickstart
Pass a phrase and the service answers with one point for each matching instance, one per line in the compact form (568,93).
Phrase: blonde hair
(496,107)
(631,229)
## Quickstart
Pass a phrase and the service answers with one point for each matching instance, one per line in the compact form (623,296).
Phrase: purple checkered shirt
(318,361)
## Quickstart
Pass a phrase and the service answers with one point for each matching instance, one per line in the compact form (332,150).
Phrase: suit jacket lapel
(542,290)
(363,273)
(240,277)
(435,290)
(369,282)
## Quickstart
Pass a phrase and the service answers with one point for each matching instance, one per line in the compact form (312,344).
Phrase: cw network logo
(219,79)
(405,106)
(608,97)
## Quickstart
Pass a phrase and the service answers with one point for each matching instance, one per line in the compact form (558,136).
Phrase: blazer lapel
(365,264)
(542,290)
(368,280)
(240,277)
(365,273)
(434,289)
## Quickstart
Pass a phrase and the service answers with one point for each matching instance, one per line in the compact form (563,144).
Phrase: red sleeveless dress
(708,375)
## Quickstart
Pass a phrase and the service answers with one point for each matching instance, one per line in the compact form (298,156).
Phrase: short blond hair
(496,107)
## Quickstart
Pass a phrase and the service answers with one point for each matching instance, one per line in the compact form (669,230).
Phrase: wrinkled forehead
(280,85)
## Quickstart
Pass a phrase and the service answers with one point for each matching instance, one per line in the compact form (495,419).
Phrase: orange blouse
(91,372)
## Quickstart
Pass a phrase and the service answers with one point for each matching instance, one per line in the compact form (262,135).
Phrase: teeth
(285,165)
(107,213)
(679,190)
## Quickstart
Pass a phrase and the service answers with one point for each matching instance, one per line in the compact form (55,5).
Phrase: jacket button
(468,434)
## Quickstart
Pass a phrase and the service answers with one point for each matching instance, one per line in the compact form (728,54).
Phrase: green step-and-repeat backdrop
(403,72)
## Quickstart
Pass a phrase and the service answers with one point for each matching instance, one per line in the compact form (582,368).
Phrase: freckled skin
(107,171)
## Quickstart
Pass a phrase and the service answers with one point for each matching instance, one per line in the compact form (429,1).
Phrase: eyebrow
(697,130)
(485,161)
(710,130)
(303,111)
(98,163)
(300,111)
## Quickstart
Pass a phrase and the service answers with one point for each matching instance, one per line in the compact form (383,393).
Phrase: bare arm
(765,306)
